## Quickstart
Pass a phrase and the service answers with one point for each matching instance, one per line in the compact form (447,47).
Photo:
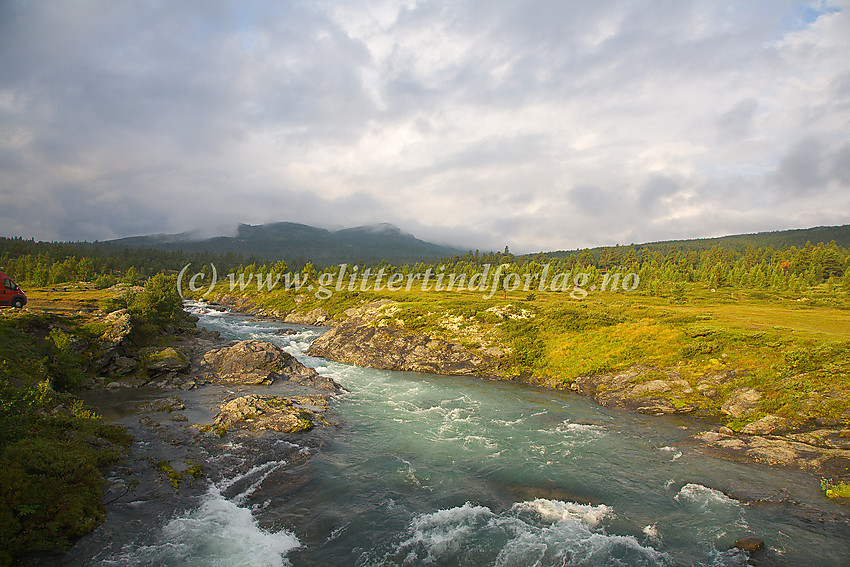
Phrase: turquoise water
(437,470)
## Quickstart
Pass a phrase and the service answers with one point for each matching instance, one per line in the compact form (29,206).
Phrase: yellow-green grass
(69,297)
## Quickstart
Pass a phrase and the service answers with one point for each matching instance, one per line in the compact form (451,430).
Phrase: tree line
(791,268)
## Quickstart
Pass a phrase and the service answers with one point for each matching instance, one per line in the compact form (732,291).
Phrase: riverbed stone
(750,544)
(773,451)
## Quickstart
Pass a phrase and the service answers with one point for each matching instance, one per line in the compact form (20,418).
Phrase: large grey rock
(775,451)
(120,325)
(768,425)
(260,362)
(358,341)
(629,389)
(113,342)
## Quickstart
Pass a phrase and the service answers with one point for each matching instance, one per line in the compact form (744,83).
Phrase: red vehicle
(11,293)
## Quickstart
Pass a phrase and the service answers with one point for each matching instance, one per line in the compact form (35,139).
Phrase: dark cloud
(799,170)
(592,199)
(736,123)
(657,189)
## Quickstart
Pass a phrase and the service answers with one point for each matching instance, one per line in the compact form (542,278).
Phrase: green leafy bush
(104,281)
(65,365)
(155,307)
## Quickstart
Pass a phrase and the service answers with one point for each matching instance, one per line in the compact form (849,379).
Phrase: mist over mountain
(292,241)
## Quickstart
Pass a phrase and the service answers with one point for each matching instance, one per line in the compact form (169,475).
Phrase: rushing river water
(437,470)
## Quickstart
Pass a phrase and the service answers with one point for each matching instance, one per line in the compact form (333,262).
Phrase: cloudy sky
(542,125)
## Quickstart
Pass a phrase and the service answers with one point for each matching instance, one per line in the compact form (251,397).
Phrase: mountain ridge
(291,241)
(779,239)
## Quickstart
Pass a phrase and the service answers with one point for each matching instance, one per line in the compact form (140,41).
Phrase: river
(436,470)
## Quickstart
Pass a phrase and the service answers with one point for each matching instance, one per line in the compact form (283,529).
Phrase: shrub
(104,281)
(159,303)
(835,490)
(64,364)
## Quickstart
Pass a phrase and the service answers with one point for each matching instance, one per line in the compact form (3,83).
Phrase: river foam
(216,533)
(534,532)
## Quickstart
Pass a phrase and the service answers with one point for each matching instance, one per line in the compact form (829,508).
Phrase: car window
(9,284)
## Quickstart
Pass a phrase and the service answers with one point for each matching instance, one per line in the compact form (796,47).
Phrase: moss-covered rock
(168,359)
(259,413)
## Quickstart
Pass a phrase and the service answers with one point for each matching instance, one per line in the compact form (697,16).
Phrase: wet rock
(126,382)
(260,362)
(773,451)
(169,404)
(172,381)
(741,401)
(258,413)
(286,332)
(750,544)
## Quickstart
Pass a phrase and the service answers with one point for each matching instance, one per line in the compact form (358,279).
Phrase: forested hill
(778,240)
(292,242)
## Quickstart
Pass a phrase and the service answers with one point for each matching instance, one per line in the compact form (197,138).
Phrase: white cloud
(543,126)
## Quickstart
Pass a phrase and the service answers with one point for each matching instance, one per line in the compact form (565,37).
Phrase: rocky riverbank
(366,336)
(361,340)
(256,400)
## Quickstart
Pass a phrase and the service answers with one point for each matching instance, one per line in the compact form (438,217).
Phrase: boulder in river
(265,412)
(260,362)
(750,544)
(773,450)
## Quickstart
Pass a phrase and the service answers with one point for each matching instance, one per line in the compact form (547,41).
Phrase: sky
(542,125)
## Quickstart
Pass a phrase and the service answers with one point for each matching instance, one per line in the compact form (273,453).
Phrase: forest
(661,267)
